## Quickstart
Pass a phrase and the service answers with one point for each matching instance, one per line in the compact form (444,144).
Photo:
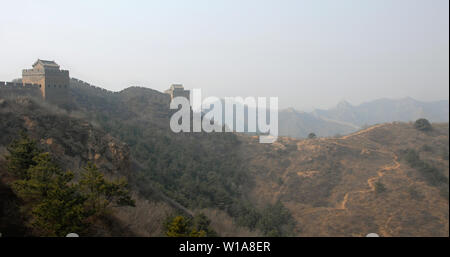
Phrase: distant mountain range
(345,118)
(293,123)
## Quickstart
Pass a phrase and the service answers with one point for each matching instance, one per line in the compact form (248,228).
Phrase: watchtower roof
(46,64)
(173,86)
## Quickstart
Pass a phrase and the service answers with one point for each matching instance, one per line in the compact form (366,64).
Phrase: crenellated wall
(24,89)
(18,85)
(78,83)
(61,90)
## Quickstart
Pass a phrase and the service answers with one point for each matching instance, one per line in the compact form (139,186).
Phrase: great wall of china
(47,82)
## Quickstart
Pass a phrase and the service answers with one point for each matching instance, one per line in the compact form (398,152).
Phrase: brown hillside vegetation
(356,184)
(73,142)
(390,179)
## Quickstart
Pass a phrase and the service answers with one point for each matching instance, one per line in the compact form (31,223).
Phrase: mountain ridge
(351,118)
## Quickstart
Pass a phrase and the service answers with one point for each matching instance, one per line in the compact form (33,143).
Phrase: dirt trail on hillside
(371,181)
(342,206)
(362,131)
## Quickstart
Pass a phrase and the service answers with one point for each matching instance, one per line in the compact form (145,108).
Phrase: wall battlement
(78,83)
(42,72)
(18,85)
(48,82)
(11,89)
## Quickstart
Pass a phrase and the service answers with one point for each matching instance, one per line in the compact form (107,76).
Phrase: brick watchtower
(177,90)
(54,83)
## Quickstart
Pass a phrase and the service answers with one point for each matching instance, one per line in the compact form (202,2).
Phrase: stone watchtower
(54,83)
(177,90)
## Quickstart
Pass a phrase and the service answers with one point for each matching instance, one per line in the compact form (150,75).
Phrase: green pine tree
(53,203)
(54,206)
(101,193)
(21,154)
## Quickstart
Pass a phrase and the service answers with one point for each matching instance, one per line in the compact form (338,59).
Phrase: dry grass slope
(356,184)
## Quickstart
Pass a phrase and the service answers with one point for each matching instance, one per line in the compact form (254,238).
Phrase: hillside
(344,186)
(75,137)
(357,184)
(72,141)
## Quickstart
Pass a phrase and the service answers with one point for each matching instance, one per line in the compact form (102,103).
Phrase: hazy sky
(308,53)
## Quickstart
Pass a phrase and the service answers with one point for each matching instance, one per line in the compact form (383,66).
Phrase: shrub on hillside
(181,226)
(379,187)
(432,174)
(312,135)
(422,125)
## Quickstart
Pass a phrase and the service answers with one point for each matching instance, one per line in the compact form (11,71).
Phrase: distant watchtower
(177,90)
(54,82)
